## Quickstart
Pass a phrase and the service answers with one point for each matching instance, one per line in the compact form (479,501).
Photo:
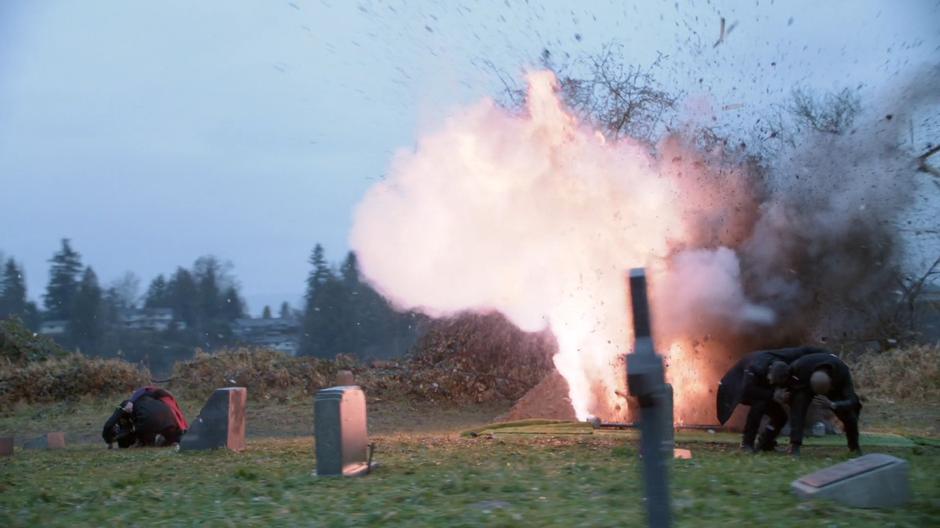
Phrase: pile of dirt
(548,400)
(477,358)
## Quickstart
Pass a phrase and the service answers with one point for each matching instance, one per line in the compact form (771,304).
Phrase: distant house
(53,328)
(278,334)
(150,319)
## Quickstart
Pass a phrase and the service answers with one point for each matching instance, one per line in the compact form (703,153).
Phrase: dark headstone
(47,441)
(871,481)
(646,381)
(6,445)
(342,441)
(220,424)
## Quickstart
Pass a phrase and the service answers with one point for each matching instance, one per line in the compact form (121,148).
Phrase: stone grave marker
(872,481)
(6,445)
(54,440)
(339,426)
(220,424)
(345,377)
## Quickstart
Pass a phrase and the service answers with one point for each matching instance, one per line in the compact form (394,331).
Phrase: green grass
(433,480)
(536,473)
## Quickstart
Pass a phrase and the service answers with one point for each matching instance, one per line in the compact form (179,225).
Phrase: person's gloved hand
(781,396)
(824,401)
(841,404)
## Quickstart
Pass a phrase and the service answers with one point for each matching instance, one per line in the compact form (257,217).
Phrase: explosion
(537,216)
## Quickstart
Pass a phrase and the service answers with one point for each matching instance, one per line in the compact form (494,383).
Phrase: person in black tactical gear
(150,417)
(826,379)
(759,380)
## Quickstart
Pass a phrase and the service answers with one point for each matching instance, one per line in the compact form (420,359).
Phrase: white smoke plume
(538,217)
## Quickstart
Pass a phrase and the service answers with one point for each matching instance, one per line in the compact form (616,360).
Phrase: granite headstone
(54,440)
(6,445)
(345,377)
(872,481)
(220,424)
(342,442)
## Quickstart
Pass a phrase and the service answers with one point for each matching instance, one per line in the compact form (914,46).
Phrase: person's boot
(765,441)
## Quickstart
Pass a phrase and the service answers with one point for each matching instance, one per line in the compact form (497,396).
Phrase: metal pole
(646,381)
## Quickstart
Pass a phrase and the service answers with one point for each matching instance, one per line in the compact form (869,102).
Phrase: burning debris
(535,215)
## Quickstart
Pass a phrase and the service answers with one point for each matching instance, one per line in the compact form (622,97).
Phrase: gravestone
(871,481)
(6,445)
(345,377)
(220,424)
(47,441)
(339,426)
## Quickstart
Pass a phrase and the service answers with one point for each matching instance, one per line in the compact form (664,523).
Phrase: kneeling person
(150,417)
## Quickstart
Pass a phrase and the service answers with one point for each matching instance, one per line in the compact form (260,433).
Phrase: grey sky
(151,133)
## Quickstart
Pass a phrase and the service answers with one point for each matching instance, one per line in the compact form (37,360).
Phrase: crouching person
(759,380)
(150,417)
(826,379)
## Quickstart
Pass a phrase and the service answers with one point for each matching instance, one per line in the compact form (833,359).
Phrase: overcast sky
(151,133)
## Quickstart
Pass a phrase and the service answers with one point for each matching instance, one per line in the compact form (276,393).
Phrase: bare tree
(924,166)
(126,290)
(623,100)
(833,113)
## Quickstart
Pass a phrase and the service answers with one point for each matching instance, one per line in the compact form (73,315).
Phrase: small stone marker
(339,425)
(6,445)
(54,440)
(871,481)
(220,424)
(345,377)
(682,454)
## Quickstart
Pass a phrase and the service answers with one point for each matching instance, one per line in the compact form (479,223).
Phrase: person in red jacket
(150,417)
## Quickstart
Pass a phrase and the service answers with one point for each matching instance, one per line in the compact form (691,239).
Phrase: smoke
(537,216)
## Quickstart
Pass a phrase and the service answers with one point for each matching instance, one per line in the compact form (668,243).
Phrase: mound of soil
(548,400)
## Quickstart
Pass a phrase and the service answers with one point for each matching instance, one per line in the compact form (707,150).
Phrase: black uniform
(757,392)
(846,404)
(149,417)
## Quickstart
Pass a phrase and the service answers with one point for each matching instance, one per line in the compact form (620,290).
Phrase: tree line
(345,315)
(342,314)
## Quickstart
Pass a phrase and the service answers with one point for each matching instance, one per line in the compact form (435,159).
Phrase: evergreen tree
(285,312)
(320,273)
(87,324)
(233,306)
(210,302)
(65,268)
(325,328)
(182,297)
(266,312)
(12,291)
(157,295)
(320,328)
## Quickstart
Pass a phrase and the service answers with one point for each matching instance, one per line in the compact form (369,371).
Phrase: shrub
(909,374)
(20,345)
(265,373)
(68,377)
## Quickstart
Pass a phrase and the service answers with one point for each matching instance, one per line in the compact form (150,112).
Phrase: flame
(537,216)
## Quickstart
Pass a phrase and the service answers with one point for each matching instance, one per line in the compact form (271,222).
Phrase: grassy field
(433,477)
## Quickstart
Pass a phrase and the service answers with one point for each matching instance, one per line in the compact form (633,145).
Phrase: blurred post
(646,381)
